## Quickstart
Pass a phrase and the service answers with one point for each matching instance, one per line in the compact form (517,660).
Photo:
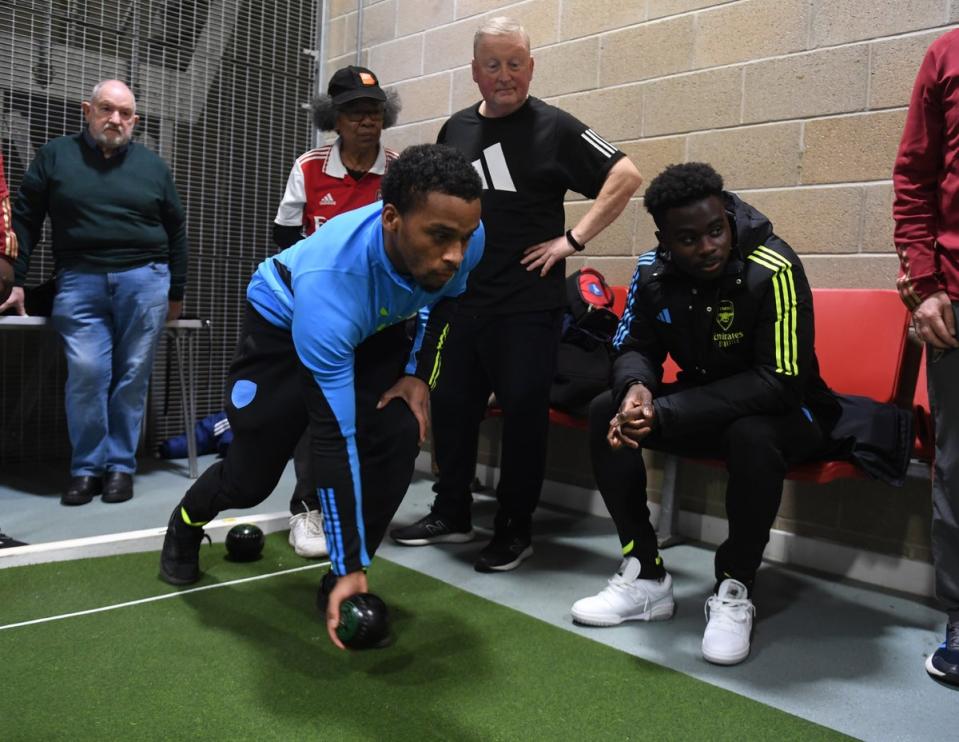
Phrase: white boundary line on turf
(128,542)
(155,598)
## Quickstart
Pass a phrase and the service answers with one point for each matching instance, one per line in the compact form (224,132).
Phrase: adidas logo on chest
(328,200)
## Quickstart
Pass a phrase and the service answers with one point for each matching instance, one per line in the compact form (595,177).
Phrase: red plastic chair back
(619,299)
(861,336)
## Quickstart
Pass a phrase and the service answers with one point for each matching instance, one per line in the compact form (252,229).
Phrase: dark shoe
(431,529)
(180,558)
(82,490)
(118,487)
(7,543)
(943,664)
(505,552)
(323,594)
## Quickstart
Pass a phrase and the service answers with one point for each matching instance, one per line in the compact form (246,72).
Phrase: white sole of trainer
(449,538)
(939,675)
(725,659)
(659,612)
(306,553)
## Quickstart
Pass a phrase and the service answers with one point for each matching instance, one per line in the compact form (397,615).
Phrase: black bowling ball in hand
(364,622)
(244,542)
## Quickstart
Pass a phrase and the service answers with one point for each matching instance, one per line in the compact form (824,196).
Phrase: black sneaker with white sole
(503,553)
(8,542)
(943,664)
(431,529)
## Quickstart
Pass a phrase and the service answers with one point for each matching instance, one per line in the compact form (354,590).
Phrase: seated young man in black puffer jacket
(729,301)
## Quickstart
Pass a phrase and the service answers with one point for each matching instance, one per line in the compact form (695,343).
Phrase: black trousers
(513,356)
(304,492)
(287,399)
(757,450)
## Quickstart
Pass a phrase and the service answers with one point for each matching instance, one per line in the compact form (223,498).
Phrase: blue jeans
(110,324)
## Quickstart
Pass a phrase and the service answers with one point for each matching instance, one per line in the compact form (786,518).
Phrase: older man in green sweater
(120,255)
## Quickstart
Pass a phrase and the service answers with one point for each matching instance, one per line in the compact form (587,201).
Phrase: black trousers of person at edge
(513,356)
(758,450)
(266,430)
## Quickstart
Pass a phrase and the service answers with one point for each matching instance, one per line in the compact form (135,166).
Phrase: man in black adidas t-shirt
(507,327)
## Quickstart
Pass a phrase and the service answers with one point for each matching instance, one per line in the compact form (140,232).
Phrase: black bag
(876,436)
(585,348)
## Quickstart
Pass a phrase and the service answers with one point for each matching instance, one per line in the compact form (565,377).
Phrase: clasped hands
(635,419)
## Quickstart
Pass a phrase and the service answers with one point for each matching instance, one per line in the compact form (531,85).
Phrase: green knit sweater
(107,214)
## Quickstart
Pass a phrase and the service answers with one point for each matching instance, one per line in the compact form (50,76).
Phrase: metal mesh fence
(221,89)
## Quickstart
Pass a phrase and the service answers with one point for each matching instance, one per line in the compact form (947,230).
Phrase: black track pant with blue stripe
(287,399)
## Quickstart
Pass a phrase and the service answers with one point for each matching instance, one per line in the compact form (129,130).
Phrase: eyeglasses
(356,115)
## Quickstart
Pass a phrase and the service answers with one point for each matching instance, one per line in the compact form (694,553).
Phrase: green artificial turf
(252,662)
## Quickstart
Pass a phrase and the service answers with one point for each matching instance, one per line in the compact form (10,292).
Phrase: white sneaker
(306,534)
(627,598)
(729,623)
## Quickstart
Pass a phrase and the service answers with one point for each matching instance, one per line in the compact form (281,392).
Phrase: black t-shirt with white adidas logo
(527,160)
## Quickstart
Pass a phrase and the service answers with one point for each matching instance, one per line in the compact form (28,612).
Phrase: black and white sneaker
(8,542)
(431,529)
(943,664)
(180,557)
(503,553)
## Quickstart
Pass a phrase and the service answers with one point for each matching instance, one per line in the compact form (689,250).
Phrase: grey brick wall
(799,103)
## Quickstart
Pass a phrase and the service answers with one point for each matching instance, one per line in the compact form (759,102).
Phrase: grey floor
(30,508)
(842,655)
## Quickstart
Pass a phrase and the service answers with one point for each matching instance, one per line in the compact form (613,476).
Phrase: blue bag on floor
(213,435)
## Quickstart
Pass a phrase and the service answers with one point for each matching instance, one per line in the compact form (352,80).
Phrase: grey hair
(324,111)
(98,88)
(501,25)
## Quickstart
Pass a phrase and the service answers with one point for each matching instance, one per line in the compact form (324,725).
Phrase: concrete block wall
(798,103)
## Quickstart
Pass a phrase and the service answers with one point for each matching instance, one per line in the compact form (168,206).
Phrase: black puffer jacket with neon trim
(744,342)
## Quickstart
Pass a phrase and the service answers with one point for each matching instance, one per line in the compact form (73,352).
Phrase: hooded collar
(751,228)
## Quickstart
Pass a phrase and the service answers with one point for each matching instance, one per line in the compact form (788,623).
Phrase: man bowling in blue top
(324,344)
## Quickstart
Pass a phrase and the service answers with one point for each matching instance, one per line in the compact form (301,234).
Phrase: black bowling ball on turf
(244,542)
(364,622)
